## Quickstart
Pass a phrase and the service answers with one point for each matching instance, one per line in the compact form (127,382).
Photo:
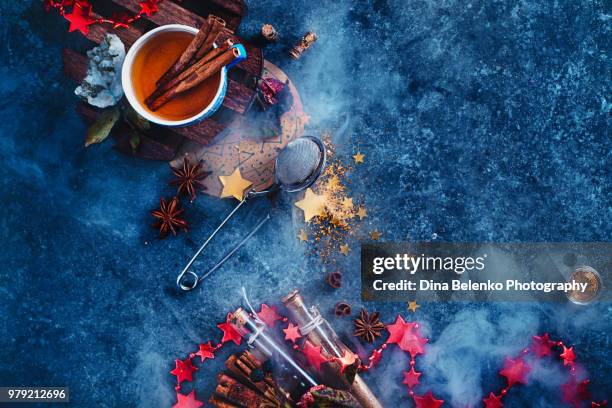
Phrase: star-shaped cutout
(183,370)
(406,336)
(375,357)
(303,236)
(574,393)
(542,345)
(313,355)
(568,356)
(229,331)
(347,203)
(515,371)
(292,333)
(234,185)
(149,7)
(80,18)
(358,157)
(493,401)
(375,235)
(411,378)
(187,401)
(427,401)
(312,204)
(268,315)
(206,351)
(344,250)
(362,213)
(347,360)
(413,306)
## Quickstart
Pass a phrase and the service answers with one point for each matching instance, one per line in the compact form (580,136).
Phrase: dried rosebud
(270,88)
(342,309)
(334,279)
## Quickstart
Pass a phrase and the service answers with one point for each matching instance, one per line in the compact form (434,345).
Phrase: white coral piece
(102,85)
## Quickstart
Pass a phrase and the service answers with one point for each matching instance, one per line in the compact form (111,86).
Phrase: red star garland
(184,370)
(81,14)
(313,355)
(268,315)
(568,356)
(427,401)
(411,378)
(229,331)
(515,371)
(493,401)
(187,401)
(348,359)
(541,345)
(292,333)
(406,336)
(206,351)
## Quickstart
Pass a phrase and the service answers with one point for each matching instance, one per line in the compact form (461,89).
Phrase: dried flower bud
(269,32)
(305,42)
(334,279)
(342,309)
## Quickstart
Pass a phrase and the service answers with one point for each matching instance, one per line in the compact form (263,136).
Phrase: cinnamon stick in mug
(214,53)
(202,43)
(197,77)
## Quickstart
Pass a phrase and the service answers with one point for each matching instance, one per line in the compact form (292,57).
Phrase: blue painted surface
(480,121)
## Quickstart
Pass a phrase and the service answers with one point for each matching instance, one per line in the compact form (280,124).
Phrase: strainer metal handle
(188,279)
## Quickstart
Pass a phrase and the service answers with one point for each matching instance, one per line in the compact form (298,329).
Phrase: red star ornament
(542,345)
(206,351)
(313,355)
(515,371)
(80,18)
(427,401)
(187,401)
(375,358)
(493,401)
(411,378)
(149,7)
(347,360)
(574,393)
(183,370)
(406,336)
(229,331)
(292,333)
(568,355)
(268,315)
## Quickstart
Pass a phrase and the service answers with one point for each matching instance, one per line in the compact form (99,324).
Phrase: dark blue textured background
(480,121)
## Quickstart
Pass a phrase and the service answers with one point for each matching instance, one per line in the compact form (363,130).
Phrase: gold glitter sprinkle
(362,213)
(375,235)
(303,236)
(413,306)
(358,158)
(344,250)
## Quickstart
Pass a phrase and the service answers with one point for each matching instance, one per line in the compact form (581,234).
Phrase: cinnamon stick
(183,60)
(217,24)
(163,88)
(196,78)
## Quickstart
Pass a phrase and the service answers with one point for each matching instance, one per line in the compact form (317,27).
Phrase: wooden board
(241,88)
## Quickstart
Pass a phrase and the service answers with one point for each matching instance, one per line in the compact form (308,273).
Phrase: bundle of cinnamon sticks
(198,62)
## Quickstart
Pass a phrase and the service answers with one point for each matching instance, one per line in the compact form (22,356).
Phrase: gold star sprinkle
(375,235)
(358,158)
(234,185)
(362,213)
(312,204)
(413,306)
(303,236)
(347,203)
(344,250)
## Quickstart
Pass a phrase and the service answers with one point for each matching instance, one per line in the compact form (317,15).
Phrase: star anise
(187,177)
(168,217)
(368,326)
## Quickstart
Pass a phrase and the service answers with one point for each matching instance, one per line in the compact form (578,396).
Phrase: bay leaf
(102,127)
